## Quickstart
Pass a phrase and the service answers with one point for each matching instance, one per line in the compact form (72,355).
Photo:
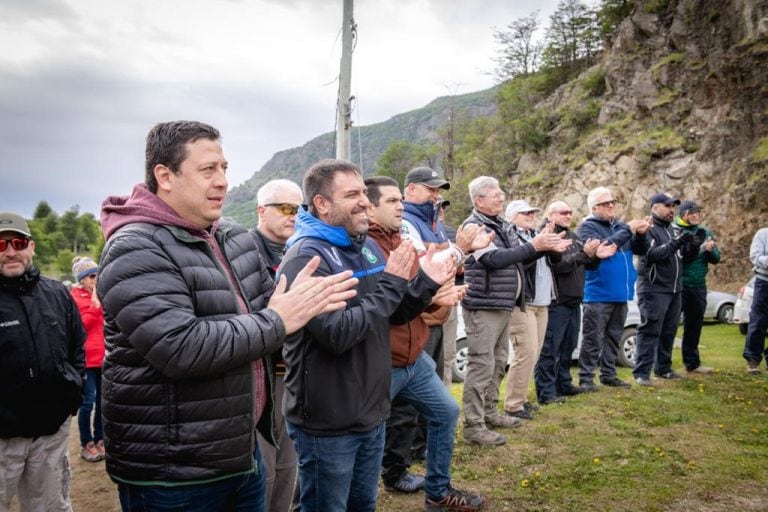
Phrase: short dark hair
(318,180)
(165,146)
(374,184)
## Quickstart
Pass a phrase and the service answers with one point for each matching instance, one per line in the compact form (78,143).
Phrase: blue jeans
(236,493)
(660,316)
(552,372)
(338,473)
(91,397)
(754,347)
(420,385)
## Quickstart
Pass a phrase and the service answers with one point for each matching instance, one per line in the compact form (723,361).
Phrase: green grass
(696,444)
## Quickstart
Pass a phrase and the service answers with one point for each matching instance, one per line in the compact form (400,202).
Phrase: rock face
(685,111)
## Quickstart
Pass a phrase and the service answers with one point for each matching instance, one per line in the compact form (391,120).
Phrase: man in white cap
(41,375)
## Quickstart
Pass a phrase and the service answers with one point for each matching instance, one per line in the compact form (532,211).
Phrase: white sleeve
(409,232)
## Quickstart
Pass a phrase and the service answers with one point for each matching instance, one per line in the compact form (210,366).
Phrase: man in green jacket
(695,271)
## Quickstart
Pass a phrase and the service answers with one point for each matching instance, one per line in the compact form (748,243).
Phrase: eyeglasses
(532,212)
(91,276)
(565,212)
(286,209)
(497,195)
(18,244)
(612,202)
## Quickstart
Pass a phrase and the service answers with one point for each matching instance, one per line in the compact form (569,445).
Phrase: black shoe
(614,382)
(408,483)
(530,407)
(670,375)
(553,400)
(588,387)
(522,414)
(571,391)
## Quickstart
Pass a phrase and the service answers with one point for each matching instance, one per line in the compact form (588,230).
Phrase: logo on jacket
(10,323)
(333,255)
(369,255)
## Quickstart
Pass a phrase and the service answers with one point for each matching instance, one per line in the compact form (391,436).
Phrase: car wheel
(628,347)
(743,328)
(725,313)
(459,369)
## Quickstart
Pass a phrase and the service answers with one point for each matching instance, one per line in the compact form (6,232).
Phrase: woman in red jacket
(91,440)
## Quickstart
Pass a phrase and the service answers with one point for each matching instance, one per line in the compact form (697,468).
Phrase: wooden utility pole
(344,102)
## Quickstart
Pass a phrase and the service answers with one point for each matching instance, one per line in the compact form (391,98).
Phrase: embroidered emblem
(369,255)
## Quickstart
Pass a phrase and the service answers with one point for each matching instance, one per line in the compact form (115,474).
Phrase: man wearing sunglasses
(42,369)
(278,201)
(552,373)
(607,288)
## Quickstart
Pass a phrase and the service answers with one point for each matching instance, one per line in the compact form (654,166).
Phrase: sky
(83,81)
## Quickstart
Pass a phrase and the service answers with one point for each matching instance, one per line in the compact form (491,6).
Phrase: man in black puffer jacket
(659,291)
(42,368)
(190,318)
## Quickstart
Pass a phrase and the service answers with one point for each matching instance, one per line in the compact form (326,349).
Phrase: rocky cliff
(683,109)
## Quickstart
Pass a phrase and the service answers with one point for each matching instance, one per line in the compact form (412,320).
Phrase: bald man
(552,375)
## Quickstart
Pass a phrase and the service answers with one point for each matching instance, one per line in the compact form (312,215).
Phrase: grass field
(700,444)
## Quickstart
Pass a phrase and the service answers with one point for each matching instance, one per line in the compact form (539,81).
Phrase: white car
(743,306)
(720,306)
(627,344)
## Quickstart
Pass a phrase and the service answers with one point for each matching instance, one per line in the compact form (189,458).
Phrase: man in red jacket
(413,372)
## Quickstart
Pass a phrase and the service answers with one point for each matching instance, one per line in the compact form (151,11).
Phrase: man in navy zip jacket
(607,289)
(338,367)
(659,290)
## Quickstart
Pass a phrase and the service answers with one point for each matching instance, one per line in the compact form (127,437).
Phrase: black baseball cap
(663,198)
(426,176)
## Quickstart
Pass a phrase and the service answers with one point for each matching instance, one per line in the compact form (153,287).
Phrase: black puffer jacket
(177,380)
(42,362)
(569,270)
(493,275)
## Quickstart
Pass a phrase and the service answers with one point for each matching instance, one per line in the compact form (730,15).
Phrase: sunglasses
(18,244)
(607,203)
(286,209)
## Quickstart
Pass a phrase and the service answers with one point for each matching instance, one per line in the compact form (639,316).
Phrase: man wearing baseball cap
(695,281)
(659,289)
(41,375)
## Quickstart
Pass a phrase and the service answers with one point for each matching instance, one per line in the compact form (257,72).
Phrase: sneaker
(645,382)
(553,400)
(670,375)
(455,500)
(706,370)
(502,421)
(522,414)
(408,483)
(102,450)
(614,382)
(588,387)
(531,407)
(90,453)
(572,391)
(753,366)
(484,437)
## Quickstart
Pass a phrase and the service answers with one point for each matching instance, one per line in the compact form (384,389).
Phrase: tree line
(59,238)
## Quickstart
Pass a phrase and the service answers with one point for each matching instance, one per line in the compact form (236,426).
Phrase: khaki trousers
(526,333)
(487,344)
(38,471)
